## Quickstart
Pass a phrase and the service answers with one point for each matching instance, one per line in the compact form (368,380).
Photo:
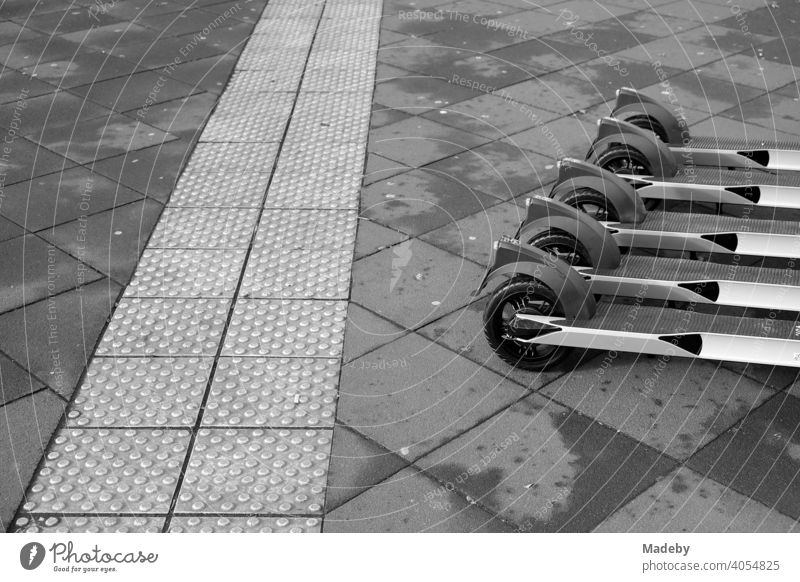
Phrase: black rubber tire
(621,159)
(521,294)
(563,246)
(650,124)
(592,203)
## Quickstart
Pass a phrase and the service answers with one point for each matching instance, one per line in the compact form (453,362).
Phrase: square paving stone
(398,505)
(655,24)
(474,36)
(184,117)
(289,466)
(705,12)
(421,55)
(416,94)
(491,116)
(499,169)
(773,111)
(22,9)
(365,331)
(378,168)
(286,328)
(26,426)
(151,171)
(725,40)
(209,74)
(413,283)
(569,136)
(356,465)
(778,20)
(109,36)
(135,91)
(103,137)
(33,270)
(53,199)
(608,35)
(11,32)
(187,273)
(37,50)
(15,382)
(744,69)
(163,53)
(419,201)
(780,50)
(205,228)
(372,237)
(9,230)
(590,13)
(78,18)
(54,338)
(151,461)
(273,392)
(608,75)
(546,468)
(543,55)
(219,524)
(14,84)
(672,53)
(462,332)
(47,113)
(165,327)
(732,128)
(676,406)
(385,115)
(759,457)
(16,158)
(111,241)
(140,392)
(555,93)
(87,67)
(412,396)
(684,501)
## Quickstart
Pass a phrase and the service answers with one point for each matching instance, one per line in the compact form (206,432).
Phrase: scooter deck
(690,222)
(671,332)
(713,142)
(731,178)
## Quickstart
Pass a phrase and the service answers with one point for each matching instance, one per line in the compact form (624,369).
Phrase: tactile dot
(285,392)
(286,328)
(140,392)
(256,471)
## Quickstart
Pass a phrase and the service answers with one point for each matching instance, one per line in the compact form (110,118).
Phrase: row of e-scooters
(658,243)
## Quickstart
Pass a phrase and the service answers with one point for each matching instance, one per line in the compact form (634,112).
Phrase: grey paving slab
(416,94)
(34,270)
(759,457)
(110,241)
(46,112)
(13,84)
(208,74)
(286,328)
(297,273)
(9,230)
(273,392)
(413,283)
(218,524)
(654,23)
(134,91)
(140,393)
(773,111)
(412,396)
(50,200)
(366,331)
(204,228)
(70,71)
(417,202)
(42,49)
(165,327)
(498,168)
(676,406)
(684,501)
(724,40)
(187,273)
(372,237)
(398,506)
(569,136)
(554,92)
(183,117)
(99,471)
(544,55)
(15,382)
(731,128)
(38,523)
(54,338)
(545,468)
(747,69)
(17,161)
(26,426)
(378,168)
(289,466)
(356,465)
(11,32)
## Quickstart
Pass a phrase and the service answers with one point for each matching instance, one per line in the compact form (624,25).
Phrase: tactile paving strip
(306,229)
(204,228)
(224,190)
(233,157)
(297,273)
(245,119)
(141,392)
(286,328)
(165,327)
(88,524)
(283,11)
(286,33)
(362,60)
(187,273)
(337,79)
(256,472)
(273,392)
(292,59)
(109,471)
(264,81)
(215,524)
(333,117)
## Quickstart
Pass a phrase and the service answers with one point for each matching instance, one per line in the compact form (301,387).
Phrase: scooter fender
(632,103)
(512,258)
(546,214)
(574,174)
(612,132)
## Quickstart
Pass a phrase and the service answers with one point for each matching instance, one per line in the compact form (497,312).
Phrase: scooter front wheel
(504,331)
(563,246)
(592,203)
(622,159)
(650,124)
